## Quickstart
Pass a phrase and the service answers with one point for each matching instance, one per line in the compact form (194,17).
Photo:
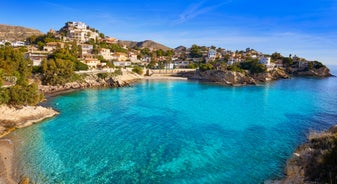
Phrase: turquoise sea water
(176,132)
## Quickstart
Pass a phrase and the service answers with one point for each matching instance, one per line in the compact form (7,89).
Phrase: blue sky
(304,28)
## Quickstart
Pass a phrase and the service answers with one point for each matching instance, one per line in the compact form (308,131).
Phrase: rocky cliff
(91,81)
(237,78)
(320,72)
(12,118)
(315,161)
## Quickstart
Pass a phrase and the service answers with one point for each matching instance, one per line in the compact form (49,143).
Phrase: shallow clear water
(176,132)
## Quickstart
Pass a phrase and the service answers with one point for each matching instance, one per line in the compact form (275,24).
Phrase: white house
(181,64)
(122,63)
(93,63)
(120,56)
(79,31)
(265,61)
(86,49)
(233,60)
(211,55)
(105,53)
(18,44)
(133,57)
(36,56)
(51,46)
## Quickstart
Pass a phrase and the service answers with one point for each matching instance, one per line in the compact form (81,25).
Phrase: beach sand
(6,162)
(12,118)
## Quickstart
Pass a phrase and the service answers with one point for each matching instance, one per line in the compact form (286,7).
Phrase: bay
(176,132)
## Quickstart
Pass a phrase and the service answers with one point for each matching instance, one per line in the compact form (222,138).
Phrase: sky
(306,28)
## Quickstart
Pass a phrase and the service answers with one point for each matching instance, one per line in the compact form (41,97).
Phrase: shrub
(205,67)
(138,69)
(102,75)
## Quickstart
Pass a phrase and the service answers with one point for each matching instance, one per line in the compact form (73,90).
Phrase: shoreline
(7,148)
(30,115)
(12,118)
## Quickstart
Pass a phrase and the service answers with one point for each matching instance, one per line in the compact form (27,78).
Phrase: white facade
(18,44)
(36,57)
(133,57)
(106,54)
(211,55)
(78,31)
(265,61)
(122,63)
(86,49)
(181,64)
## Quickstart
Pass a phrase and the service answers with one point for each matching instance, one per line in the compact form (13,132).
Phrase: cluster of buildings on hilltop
(82,34)
(77,31)
(213,54)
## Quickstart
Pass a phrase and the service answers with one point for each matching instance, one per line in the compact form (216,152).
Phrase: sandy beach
(12,118)
(6,162)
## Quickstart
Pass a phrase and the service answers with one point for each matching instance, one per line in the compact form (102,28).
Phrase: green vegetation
(102,75)
(195,51)
(206,66)
(13,65)
(253,66)
(138,69)
(235,68)
(57,71)
(287,61)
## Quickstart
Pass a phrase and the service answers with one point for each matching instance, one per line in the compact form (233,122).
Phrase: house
(133,57)
(211,55)
(36,56)
(265,61)
(52,46)
(146,59)
(86,49)
(181,64)
(80,32)
(233,60)
(120,56)
(169,66)
(3,42)
(93,63)
(105,53)
(122,63)
(18,44)
(279,63)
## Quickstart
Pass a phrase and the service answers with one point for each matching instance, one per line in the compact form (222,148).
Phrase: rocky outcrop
(237,78)
(320,72)
(224,77)
(315,161)
(274,74)
(12,118)
(90,81)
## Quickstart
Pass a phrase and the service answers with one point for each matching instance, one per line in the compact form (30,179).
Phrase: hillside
(143,44)
(16,33)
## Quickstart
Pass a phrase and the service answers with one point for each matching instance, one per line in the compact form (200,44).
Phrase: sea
(176,132)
